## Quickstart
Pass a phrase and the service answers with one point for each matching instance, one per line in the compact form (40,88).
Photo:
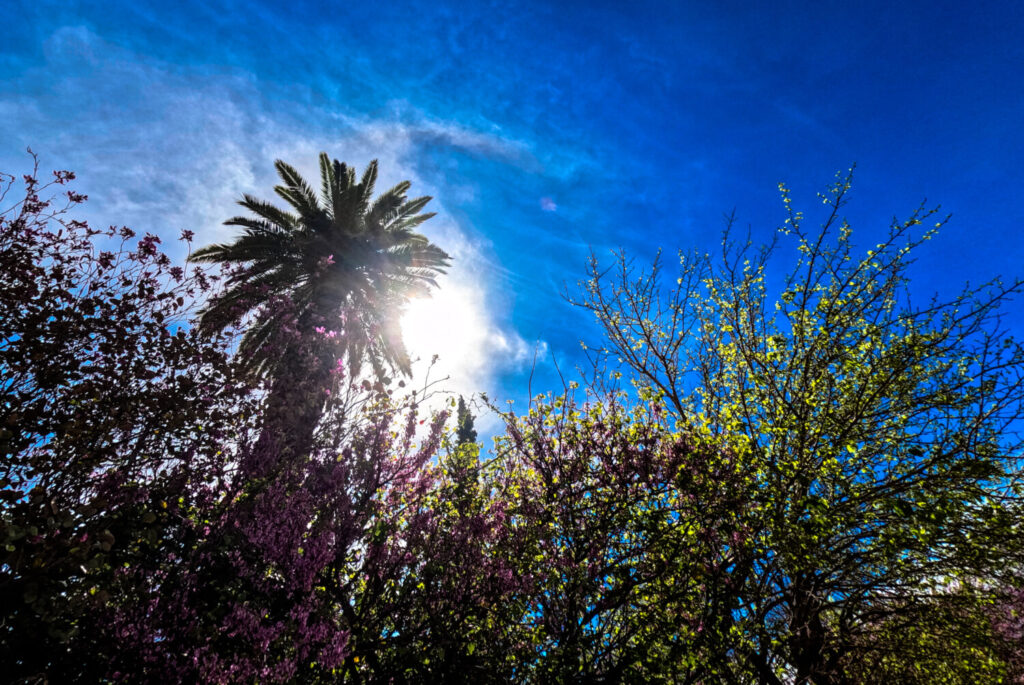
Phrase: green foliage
(464,432)
(877,436)
(949,640)
(630,535)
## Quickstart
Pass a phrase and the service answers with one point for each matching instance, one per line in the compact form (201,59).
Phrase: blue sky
(541,129)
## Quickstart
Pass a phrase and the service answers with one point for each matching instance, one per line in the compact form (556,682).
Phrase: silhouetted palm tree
(344,263)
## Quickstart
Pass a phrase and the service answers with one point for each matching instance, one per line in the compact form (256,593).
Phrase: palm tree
(343,264)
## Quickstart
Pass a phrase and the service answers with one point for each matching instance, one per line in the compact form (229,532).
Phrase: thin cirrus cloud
(161,148)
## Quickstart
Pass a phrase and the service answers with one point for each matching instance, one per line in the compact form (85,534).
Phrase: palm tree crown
(344,261)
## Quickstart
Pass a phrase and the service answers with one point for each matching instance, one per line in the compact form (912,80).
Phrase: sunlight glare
(451,324)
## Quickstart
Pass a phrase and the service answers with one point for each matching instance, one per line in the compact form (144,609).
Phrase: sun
(451,324)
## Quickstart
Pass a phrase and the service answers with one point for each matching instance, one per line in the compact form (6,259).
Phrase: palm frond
(386,207)
(256,225)
(296,191)
(423,256)
(249,247)
(413,206)
(366,185)
(411,222)
(211,253)
(268,211)
(326,180)
(296,198)
(394,349)
(236,302)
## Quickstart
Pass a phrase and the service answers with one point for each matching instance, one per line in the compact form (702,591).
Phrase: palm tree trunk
(292,413)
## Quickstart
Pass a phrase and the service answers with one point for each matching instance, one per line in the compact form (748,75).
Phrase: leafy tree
(465,432)
(877,437)
(114,419)
(345,262)
(629,536)
(302,577)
